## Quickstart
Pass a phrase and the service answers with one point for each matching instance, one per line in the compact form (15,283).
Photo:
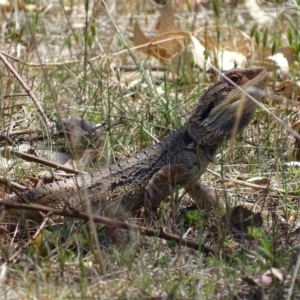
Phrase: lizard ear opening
(206,112)
(196,132)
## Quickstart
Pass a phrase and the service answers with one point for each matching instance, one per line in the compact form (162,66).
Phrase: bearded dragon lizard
(147,178)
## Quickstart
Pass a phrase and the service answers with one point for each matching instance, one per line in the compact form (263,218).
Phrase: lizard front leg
(202,196)
(163,182)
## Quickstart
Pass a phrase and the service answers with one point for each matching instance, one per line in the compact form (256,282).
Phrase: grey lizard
(146,178)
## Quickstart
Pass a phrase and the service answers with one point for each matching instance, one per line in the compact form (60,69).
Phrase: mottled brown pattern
(146,178)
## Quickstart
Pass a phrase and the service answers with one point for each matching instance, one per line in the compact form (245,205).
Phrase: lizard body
(146,178)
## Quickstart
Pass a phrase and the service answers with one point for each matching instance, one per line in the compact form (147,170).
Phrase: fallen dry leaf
(272,273)
(282,65)
(139,38)
(193,53)
(259,180)
(245,45)
(288,89)
(198,52)
(232,51)
(288,53)
(171,46)
(228,60)
(163,46)
(261,53)
(166,21)
(292,164)
(9,6)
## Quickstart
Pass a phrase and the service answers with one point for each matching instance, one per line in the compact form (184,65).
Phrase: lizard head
(224,110)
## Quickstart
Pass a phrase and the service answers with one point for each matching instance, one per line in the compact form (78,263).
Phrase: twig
(8,135)
(14,95)
(7,182)
(112,223)
(95,58)
(27,89)
(46,162)
(264,187)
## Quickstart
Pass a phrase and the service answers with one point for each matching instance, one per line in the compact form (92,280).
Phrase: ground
(83,61)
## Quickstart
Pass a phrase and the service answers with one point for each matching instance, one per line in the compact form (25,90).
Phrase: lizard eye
(235,78)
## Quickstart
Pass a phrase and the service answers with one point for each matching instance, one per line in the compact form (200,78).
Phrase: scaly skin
(147,178)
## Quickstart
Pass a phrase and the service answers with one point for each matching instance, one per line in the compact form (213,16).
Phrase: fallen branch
(112,223)
(46,162)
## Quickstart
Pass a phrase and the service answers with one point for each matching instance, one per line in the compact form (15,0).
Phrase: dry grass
(68,264)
